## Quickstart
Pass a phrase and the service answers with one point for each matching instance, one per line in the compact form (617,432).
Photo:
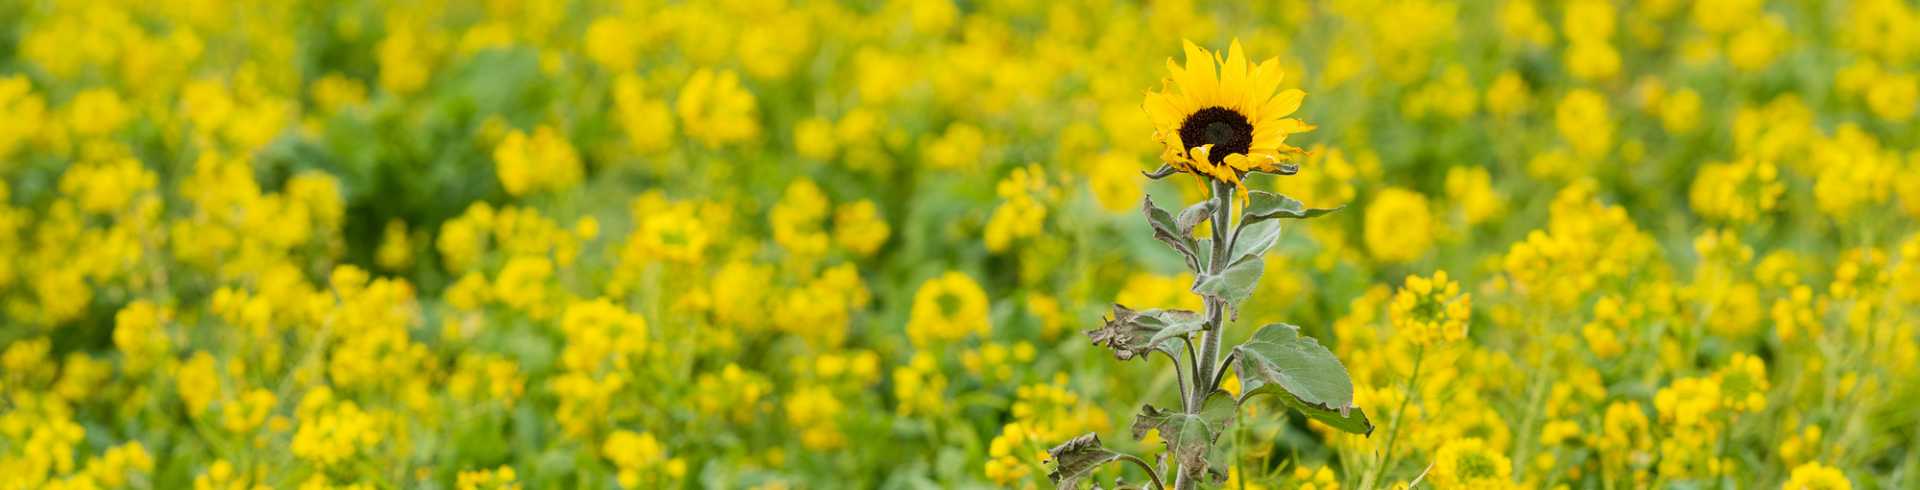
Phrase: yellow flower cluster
(543,161)
(1431,310)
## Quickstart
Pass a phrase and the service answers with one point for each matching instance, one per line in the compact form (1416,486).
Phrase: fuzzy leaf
(1253,240)
(1077,458)
(1233,285)
(1353,419)
(1304,373)
(1263,205)
(1135,333)
(1189,436)
(1167,231)
(1191,217)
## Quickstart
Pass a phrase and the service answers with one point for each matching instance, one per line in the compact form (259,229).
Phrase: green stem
(1393,434)
(1205,367)
(1151,474)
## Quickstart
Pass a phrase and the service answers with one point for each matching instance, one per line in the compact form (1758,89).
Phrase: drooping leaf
(1135,333)
(1233,285)
(1189,436)
(1263,205)
(1077,458)
(1352,419)
(1303,373)
(1167,231)
(1160,173)
(1192,217)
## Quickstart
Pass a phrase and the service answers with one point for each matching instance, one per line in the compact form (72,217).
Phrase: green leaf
(1263,205)
(1167,231)
(1135,333)
(1353,419)
(1233,285)
(1252,240)
(1308,377)
(1077,458)
(1191,217)
(1189,436)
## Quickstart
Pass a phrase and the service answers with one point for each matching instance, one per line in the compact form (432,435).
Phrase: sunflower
(1226,119)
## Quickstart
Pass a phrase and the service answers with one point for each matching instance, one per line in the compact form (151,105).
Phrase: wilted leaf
(1077,458)
(1134,333)
(1263,205)
(1167,231)
(1189,436)
(1232,285)
(1304,373)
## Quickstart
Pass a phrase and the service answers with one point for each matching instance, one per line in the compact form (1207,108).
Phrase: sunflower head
(1224,117)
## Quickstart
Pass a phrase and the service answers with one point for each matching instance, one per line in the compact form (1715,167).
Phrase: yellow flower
(1740,191)
(1816,476)
(715,110)
(1894,97)
(1584,122)
(959,147)
(22,114)
(332,435)
(1399,226)
(641,460)
(97,112)
(816,412)
(1114,178)
(1025,211)
(647,121)
(1470,463)
(1680,111)
(542,162)
(1472,189)
(858,227)
(1508,95)
(1226,119)
(614,43)
(502,478)
(1432,310)
(946,309)
(404,57)
(198,383)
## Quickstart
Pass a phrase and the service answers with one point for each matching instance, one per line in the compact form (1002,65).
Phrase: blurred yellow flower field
(935,244)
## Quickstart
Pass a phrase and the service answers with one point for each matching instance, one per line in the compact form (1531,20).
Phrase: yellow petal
(1202,82)
(1238,161)
(1233,79)
(1284,104)
(1261,83)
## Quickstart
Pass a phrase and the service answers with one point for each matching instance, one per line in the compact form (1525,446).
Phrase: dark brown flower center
(1228,131)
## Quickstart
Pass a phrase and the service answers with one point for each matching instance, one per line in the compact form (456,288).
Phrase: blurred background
(789,244)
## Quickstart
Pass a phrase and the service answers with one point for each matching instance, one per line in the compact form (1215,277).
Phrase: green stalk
(1386,459)
(1204,369)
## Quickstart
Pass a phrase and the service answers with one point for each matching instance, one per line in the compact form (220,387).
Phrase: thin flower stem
(1181,379)
(1386,459)
(1220,374)
(1154,475)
